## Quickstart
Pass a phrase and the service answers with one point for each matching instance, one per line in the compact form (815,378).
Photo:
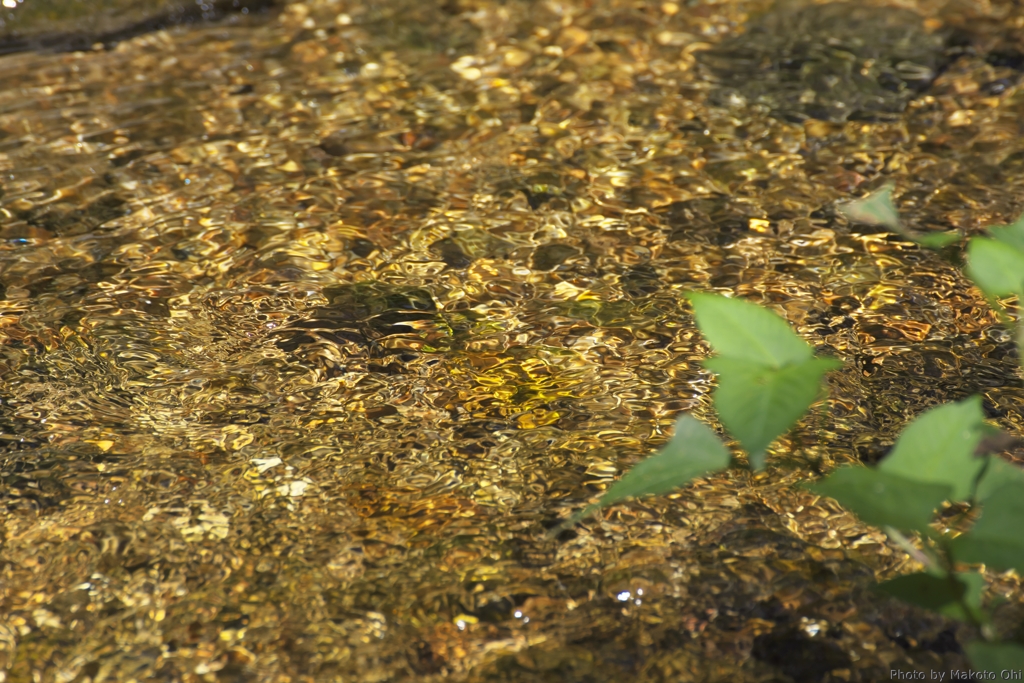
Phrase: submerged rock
(833,62)
(67,25)
(352,323)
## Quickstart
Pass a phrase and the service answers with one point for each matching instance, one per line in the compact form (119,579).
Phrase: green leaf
(996,539)
(995,657)
(938,446)
(758,404)
(946,595)
(998,473)
(745,331)
(883,499)
(878,209)
(875,209)
(996,267)
(938,240)
(693,451)
(1011,235)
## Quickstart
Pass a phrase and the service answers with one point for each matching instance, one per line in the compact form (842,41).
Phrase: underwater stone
(833,62)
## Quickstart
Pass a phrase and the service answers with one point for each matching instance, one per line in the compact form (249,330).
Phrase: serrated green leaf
(996,267)
(998,473)
(996,657)
(938,447)
(882,499)
(996,539)
(876,208)
(1011,235)
(695,450)
(758,404)
(946,595)
(745,331)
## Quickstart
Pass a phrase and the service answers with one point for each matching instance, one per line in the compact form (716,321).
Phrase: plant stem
(1020,339)
(923,557)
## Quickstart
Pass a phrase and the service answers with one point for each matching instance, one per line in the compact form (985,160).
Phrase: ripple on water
(311,327)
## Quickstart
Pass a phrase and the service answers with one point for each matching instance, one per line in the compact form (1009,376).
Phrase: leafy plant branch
(768,378)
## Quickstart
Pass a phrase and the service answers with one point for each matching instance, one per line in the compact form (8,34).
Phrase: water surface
(314,322)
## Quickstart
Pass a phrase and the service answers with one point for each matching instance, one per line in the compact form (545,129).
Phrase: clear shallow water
(312,325)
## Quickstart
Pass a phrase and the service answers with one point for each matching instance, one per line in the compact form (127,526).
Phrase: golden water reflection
(311,328)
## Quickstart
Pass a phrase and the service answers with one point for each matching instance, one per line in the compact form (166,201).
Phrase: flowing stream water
(315,317)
